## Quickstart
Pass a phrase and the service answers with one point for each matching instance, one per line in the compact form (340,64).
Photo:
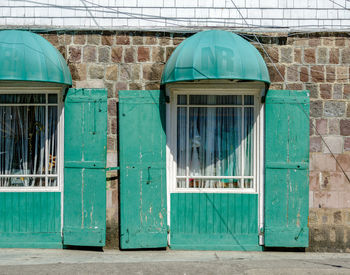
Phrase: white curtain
(52,143)
(249,142)
(217,138)
(22,140)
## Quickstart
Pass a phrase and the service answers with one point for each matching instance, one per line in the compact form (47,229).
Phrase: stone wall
(318,62)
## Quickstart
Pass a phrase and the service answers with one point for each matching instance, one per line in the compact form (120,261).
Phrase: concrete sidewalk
(40,261)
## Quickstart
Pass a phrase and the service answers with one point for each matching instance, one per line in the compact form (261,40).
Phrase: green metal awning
(26,56)
(215,54)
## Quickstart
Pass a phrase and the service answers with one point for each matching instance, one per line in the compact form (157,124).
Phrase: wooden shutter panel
(286,168)
(143,222)
(85,140)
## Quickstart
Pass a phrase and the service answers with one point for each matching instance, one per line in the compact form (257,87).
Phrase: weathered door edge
(61,141)
(93,165)
(136,107)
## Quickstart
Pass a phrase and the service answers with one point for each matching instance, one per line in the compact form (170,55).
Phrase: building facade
(126,47)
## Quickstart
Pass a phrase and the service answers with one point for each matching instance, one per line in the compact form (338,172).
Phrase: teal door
(143,222)
(286,169)
(85,140)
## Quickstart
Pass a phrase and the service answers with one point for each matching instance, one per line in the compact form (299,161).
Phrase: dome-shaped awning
(215,55)
(26,56)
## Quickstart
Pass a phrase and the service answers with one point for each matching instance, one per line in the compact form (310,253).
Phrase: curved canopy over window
(26,56)
(215,55)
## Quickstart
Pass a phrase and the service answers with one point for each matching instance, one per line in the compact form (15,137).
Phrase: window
(29,144)
(217,141)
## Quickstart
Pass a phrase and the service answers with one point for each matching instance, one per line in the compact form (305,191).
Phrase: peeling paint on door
(84,167)
(142,169)
(286,169)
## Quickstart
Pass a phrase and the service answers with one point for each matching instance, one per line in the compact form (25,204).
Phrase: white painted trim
(28,175)
(61,153)
(171,166)
(223,88)
(261,174)
(47,140)
(215,177)
(187,141)
(217,190)
(168,160)
(26,104)
(29,189)
(29,90)
(225,85)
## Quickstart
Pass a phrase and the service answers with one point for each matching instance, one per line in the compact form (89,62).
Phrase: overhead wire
(302,64)
(313,125)
(116,11)
(155,18)
(133,15)
(168,20)
(93,18)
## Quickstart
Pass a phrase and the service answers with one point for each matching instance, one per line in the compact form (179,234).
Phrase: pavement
(51,261)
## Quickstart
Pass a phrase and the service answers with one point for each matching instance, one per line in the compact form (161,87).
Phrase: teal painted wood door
(142,169)
(85,141)
(286,169)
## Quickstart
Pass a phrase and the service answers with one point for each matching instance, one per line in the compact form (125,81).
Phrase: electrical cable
(93,18)
(313,125)
(303,65)
(155,18)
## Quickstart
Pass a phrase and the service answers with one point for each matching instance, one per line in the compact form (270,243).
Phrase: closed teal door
(287,169)
(143,222)
(85,140)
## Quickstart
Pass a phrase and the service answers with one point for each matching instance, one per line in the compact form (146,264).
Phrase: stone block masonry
(318,62)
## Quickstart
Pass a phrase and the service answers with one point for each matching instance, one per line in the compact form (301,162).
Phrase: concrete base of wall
(112,235)
(112,222)
(329,230)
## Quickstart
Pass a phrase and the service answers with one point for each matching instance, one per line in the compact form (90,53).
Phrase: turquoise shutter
(85,139)
(142,143)
(286,169)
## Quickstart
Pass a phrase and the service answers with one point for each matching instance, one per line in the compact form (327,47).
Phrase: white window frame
(219,89)
(230,87)
(60,136)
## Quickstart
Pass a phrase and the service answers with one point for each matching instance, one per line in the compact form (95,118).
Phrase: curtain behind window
(22,140)
(218,138)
